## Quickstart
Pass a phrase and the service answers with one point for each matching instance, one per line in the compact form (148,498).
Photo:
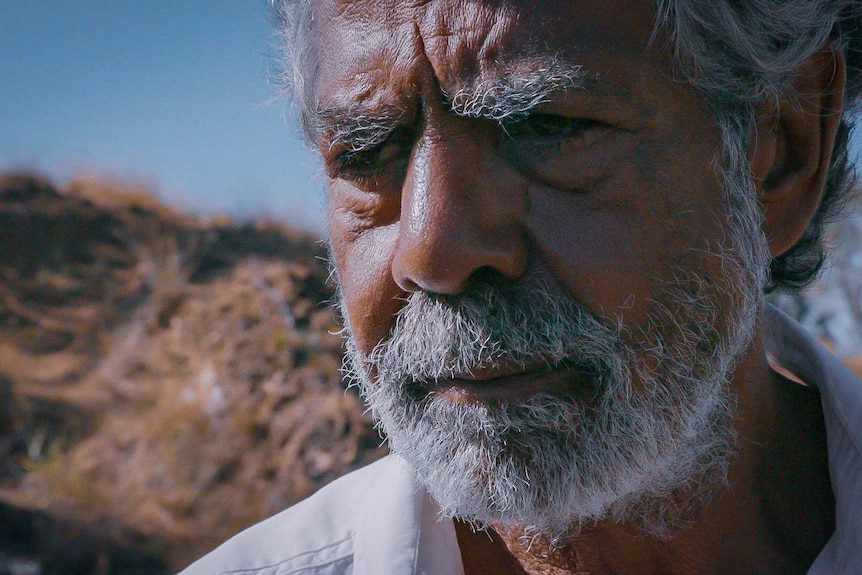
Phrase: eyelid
(608,112)
(569,126)
(359,141)
(379,154)
(343,165)
(341,151)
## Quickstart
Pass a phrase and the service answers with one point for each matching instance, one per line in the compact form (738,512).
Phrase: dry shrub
(173,381)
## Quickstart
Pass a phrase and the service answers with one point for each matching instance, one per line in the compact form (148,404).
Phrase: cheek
(612,246)
(370,294)
(597,254)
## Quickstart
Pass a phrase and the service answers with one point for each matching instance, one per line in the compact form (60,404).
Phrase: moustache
(499,325)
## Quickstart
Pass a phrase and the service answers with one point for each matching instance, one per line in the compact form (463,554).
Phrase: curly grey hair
(739,54)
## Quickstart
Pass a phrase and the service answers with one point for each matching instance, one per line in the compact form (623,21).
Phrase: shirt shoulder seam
(340,556)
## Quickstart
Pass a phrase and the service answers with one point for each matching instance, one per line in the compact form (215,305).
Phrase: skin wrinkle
(499,29)
(359,128)
(503,83)
(611,203)
(468,34)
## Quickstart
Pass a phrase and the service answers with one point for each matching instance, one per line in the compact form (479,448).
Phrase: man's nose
(458,216)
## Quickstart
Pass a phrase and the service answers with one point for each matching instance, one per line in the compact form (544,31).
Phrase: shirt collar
(792,350)
(401,531)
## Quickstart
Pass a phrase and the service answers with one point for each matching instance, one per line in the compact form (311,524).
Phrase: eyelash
(355,162)
(540,137)
(368,163)
(548,127)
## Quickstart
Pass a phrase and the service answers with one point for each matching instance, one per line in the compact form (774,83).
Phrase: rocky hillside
(164,381)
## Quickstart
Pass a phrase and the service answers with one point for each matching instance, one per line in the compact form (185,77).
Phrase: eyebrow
(355,127)
(510,96)
(515,95)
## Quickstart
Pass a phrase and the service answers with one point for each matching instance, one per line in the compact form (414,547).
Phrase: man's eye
(366,162)
(560,151)
(547,127)
(370,162)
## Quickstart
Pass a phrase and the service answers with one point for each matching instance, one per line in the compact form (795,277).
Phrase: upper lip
(492,372)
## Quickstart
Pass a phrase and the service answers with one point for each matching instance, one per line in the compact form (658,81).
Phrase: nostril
(486,275)
(451,264)
(407,284)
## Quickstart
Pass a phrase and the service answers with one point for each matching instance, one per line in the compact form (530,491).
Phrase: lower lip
(565,380)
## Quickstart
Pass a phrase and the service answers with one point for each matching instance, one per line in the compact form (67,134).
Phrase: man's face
(530,231)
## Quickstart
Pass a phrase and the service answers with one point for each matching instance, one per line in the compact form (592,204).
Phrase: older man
(552,225)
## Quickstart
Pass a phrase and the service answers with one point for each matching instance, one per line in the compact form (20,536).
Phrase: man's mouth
(501,384)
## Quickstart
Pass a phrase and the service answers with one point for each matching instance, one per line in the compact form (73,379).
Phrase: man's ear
(792,146)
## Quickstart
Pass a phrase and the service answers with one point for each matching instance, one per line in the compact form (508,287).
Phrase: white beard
(648,445)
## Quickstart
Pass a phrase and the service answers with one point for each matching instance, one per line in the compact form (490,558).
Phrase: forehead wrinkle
(463,38)
(363,109)
(372,89)
(479,65)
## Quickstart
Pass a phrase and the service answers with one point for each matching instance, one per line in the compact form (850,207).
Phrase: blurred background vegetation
(165,381)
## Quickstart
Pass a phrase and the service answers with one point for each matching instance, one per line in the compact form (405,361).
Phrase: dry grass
(173,381)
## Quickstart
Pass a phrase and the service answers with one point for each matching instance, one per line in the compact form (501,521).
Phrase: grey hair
(739,54)
(514,96)
(297,64)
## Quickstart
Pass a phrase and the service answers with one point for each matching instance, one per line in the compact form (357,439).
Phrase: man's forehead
(372,50)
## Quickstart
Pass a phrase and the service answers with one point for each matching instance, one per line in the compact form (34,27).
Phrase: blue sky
(171,93)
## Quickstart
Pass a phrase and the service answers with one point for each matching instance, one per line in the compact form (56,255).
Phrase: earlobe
(792,146)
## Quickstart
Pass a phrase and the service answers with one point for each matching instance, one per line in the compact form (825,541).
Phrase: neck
(752,525)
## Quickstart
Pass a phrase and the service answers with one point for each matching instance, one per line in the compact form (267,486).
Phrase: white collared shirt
(374,521)
(379,520)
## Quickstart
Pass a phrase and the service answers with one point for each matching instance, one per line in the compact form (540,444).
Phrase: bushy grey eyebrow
(353,129)
(515,95)
(508,97)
